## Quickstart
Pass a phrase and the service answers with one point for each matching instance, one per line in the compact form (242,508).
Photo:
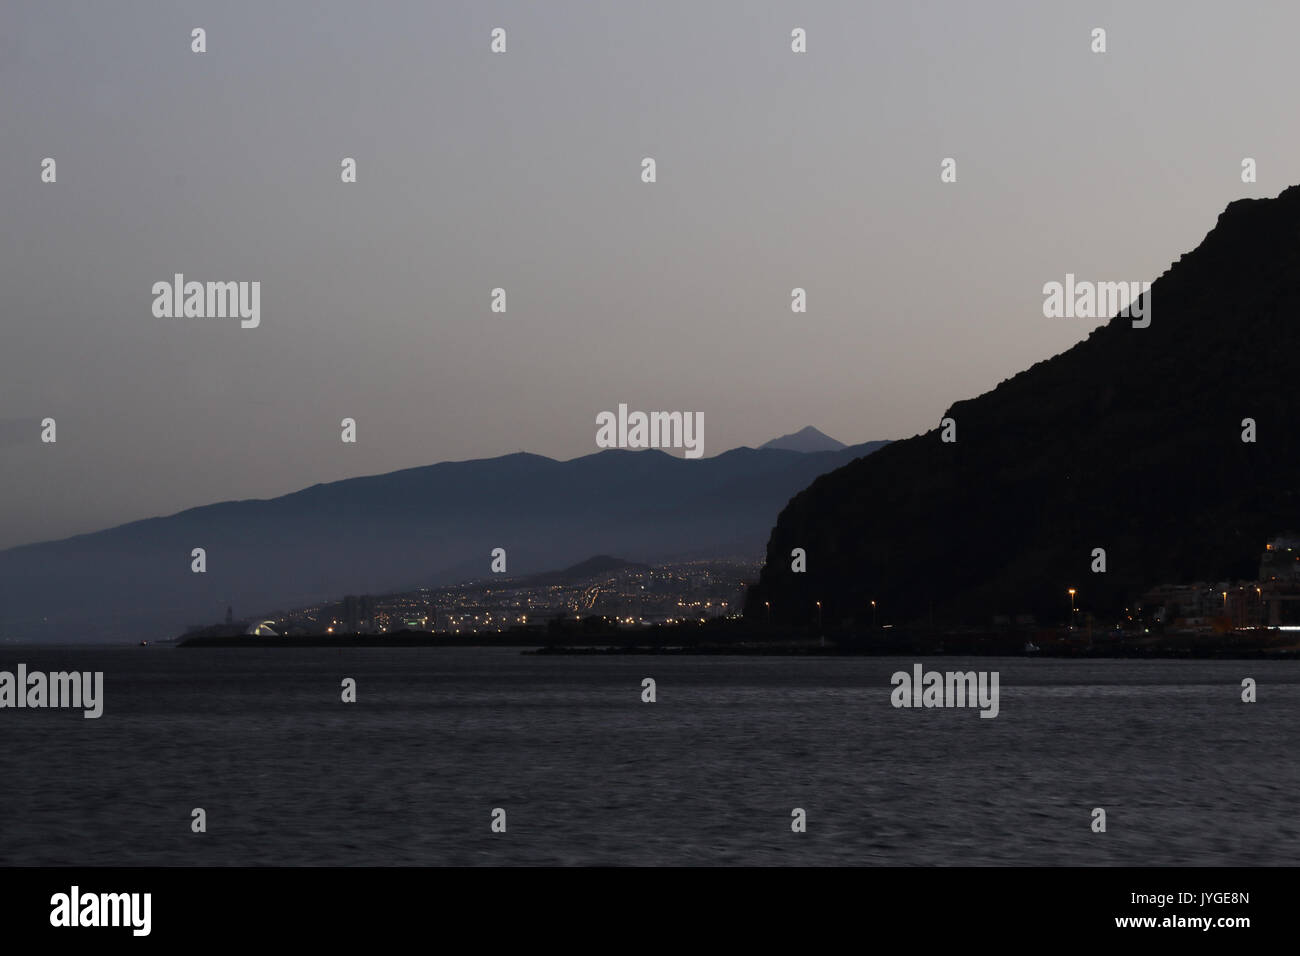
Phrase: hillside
(1130,441)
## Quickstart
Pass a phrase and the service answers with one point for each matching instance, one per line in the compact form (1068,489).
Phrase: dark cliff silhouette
(1130,441)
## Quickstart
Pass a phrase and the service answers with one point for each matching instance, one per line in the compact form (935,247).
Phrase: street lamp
(819,614)
(1072,590)
(873,615)
(768,605)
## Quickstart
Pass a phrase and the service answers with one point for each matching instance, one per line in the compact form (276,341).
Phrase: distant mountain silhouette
(418,527)
(805,439)
(1130,441)
(601,564)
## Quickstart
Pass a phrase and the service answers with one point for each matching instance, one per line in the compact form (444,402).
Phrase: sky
(522,171)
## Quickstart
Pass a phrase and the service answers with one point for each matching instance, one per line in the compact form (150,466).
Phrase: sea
(490,756)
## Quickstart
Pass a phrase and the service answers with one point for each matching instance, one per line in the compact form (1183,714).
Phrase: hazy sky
(522,170)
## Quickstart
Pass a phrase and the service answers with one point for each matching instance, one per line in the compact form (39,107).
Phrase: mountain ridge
(805,439)
(420,526)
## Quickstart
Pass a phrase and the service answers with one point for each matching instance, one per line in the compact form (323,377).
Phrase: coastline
(1266,645)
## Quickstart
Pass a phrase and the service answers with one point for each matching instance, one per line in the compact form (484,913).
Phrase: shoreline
(1174,647)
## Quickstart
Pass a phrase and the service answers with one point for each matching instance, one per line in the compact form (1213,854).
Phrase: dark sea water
(588,774)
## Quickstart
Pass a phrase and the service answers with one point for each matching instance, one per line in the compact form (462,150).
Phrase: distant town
(696,606)
(602,591)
